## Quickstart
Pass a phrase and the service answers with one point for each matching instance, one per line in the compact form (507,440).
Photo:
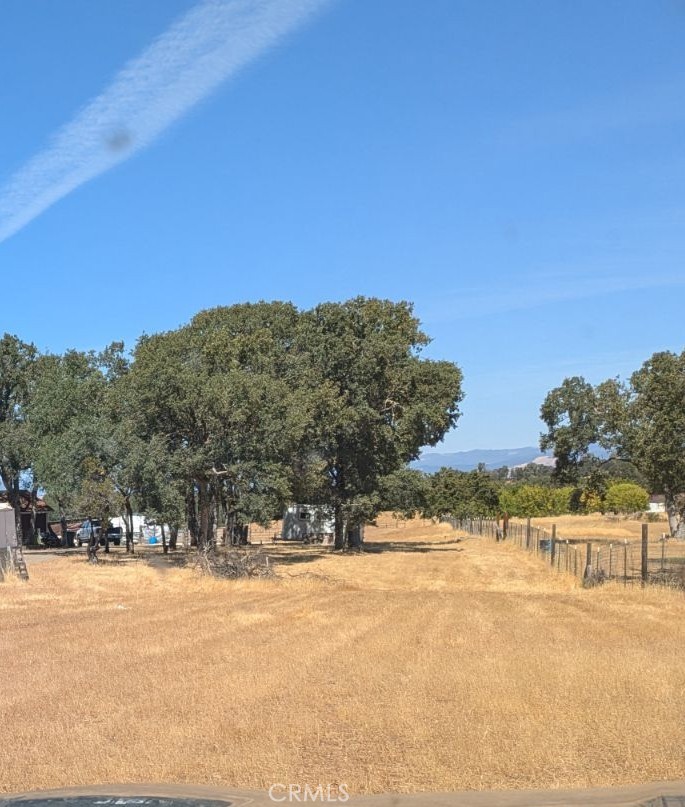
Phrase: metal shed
(8,530)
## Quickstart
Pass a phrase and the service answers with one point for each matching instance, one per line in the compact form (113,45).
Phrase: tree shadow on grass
(409,547)
(296,554)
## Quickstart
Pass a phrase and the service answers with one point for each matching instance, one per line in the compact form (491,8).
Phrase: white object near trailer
(147,532)
(308,522)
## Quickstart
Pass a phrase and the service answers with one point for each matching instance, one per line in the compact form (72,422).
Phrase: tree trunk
(93,541)
(204,507)
(173,537)
(165,548)
(32,529)
(675,509)
(128,521)
(211,522)
(66,541)
(191,515)
(355,537)
(339,542)
(229,529)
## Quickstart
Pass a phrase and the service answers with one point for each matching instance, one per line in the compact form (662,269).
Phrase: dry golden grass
(598,526)
(423,664)
(603,529)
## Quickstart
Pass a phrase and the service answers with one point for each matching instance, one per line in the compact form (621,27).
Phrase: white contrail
(180,68)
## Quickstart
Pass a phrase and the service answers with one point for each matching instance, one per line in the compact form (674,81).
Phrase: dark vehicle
(51,540)
(82,537)
(115,535)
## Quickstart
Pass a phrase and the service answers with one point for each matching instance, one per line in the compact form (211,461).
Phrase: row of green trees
(227,418)
(611,442)
(483,493)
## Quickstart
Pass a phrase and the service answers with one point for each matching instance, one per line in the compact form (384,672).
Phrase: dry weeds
(422,664)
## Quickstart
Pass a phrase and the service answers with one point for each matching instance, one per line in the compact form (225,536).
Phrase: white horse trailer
(308,522)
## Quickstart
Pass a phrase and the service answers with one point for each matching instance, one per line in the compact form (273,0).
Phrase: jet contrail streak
(180,68)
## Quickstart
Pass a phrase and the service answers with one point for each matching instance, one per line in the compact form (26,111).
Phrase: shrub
(535,500)
(626,497)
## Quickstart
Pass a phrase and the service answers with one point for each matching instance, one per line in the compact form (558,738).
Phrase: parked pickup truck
(83,534)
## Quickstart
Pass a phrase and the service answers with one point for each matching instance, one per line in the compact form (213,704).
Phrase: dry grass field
(604,529)
(598,526)
(424,664)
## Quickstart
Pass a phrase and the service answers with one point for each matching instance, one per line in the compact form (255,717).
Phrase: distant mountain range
(491,457)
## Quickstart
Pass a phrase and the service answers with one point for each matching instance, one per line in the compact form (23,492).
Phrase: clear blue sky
(515,168)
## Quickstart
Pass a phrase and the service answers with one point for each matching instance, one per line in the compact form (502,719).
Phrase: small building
(73,527)
(308,522)
(28,504)
(657,504)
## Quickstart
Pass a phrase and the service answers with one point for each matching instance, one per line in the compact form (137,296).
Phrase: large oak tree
(641,421)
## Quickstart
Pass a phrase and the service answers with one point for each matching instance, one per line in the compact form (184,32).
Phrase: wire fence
(650,560)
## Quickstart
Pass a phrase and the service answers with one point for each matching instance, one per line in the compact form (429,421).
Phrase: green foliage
(404,492)
(524,500)
(76,433)
(232,415)
(570,414)
(641,421)
(626,497)
(224,396)
(64,420)
(376,401)
(618,470)
(17,361)
(588,496)
(462,494)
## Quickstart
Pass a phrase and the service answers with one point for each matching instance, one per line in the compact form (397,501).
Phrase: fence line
(590,561)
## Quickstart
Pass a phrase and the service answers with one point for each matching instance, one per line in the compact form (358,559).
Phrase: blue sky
(514,168)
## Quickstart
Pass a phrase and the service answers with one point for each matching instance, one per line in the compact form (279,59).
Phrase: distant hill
(491,457)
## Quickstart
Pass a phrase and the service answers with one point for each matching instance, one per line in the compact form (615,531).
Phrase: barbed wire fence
(650,560)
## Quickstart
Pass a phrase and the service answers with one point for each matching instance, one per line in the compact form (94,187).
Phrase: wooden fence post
(645,554)
(528,533)
(553,545)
